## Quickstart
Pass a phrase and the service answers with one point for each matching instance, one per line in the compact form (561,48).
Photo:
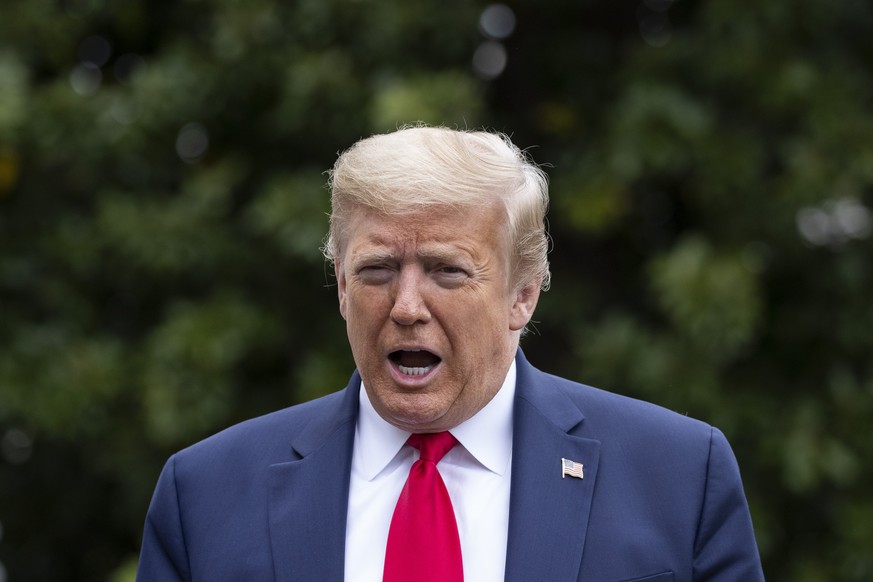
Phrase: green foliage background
(162,204)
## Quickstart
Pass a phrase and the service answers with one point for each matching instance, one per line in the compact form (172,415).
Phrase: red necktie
(423,543)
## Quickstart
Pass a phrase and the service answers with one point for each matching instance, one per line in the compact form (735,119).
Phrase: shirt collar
(487,435)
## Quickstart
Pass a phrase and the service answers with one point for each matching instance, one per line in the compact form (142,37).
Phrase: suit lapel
(308,497)
(548,514)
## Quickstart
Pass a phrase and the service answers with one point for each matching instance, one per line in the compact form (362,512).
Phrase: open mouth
(414,362)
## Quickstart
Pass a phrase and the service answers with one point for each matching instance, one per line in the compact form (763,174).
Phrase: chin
(415,418)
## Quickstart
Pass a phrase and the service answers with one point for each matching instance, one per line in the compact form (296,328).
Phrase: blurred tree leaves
(712,301)
(442,98)
(162,205)
(284,213)
(190,364)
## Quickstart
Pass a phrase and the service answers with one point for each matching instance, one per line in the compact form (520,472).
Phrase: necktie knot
(433,446)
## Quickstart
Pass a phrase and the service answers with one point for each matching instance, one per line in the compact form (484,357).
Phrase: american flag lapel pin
(571,468)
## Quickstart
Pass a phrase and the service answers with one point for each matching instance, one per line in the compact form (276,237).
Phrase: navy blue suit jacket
(661,498)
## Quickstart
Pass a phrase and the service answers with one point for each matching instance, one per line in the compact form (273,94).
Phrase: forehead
(431,230)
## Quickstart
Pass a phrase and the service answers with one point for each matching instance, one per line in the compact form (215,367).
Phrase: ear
(341,286)
(523,308)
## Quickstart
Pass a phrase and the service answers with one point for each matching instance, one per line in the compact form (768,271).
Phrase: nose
(409,303)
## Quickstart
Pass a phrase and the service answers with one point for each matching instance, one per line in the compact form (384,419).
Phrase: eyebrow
(441,252)
(444,252)
(371,255)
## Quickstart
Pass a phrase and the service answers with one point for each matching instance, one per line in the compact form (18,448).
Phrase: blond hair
(417,167)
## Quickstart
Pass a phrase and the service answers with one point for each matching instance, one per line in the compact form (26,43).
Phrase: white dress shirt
(476,474)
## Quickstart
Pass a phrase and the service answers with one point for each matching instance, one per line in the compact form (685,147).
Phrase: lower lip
(412,380)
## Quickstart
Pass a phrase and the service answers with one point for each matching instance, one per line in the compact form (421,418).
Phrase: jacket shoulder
(265,439)
(622,418)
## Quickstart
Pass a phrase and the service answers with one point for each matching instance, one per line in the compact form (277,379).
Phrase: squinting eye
(374,274)
(452,275)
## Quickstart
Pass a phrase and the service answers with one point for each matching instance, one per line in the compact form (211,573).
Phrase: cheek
(478,331)
(364,312)
(366,302)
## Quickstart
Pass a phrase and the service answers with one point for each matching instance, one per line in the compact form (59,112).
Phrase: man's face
(432,316)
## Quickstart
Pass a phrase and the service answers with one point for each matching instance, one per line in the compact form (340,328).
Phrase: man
(439,248)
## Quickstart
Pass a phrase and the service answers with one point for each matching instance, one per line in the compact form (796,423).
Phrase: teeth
(414,371)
